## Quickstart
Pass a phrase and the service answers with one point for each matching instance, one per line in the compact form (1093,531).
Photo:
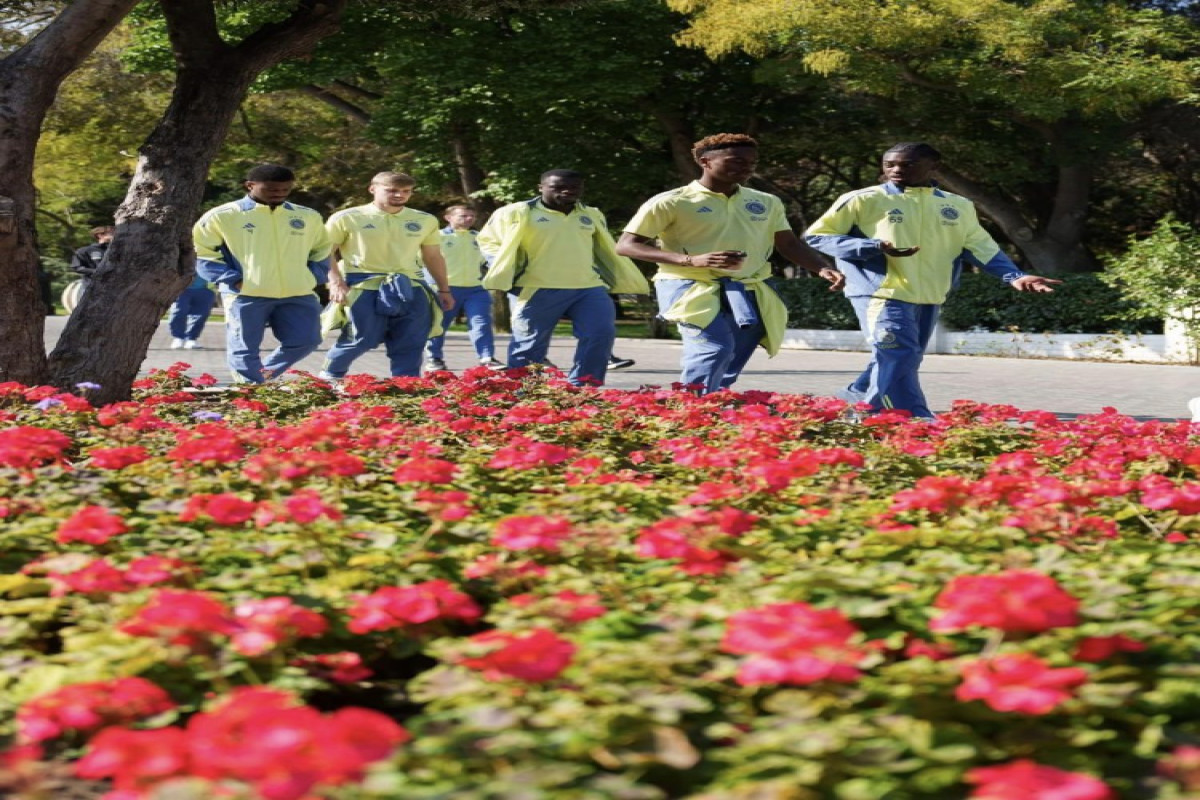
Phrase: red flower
(448,506)
(215,445)
(90,525)
(223,509)
(527,454)
(531,533)
(88,706)
(97,576)
(536,656)
(1021,682)
(118,457)
(425,470)
(180,617)
(150,570)
(264,738)
(792,643)
(695,538)
(1017,600)
(399,606)
(134,760)
(343,667)
(25,446)
(266,623)
(1028,780)
(1102,648)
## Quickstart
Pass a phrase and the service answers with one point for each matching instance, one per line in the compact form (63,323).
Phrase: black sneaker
(491,363)
(615,362)
(434,364)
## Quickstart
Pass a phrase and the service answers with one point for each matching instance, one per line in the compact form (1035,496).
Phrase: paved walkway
(1067,388)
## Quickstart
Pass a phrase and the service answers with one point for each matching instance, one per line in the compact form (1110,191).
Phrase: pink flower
(343,667)
(266,623)
(1182,765)
(117,457)
(88,706)
(134,760)
(425,470)
(792,643)
(531,533)
(1016,600)
(1021,682)
(223,509)
(401,606)
(695,539)
(535,656)
(1028,780)
(528,454)
(90,525)
(181,617)
(25,446)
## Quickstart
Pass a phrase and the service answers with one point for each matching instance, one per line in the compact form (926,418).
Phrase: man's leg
(435,349)
(245,322)
(200,303)
(296,323)
(745,342)
(364,331)
(593,320)
(898,333)
(477,303)
(707,352)
(177,318)
(405,336)
(533,319)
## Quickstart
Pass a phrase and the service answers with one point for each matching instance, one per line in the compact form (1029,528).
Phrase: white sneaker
(1194,408)
(191,344)
(176,344)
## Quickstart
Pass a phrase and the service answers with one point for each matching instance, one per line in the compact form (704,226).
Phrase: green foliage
(1161,273)
(1082,304)
(811,305)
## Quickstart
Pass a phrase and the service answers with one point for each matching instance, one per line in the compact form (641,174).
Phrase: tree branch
(341,104)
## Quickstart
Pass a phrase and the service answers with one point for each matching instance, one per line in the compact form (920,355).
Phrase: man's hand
(720,259)
(897,252)
(1034,283)
(445,299)
(835,277)
(338,292)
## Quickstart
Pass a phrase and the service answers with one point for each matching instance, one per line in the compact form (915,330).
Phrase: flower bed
(501,586)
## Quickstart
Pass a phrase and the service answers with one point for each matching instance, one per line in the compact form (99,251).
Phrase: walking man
(377,275)
(555,258)
(901,245)
(189,314)
(465,266)
(267,256)
(715,237)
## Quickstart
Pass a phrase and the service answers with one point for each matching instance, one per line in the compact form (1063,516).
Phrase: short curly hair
(721,141)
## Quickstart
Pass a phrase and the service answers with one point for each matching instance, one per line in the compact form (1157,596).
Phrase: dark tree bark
(151,260)
(29,82)
(1052,246)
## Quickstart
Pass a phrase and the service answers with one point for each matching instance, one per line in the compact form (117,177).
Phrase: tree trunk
(151,260)
(29,81)
(680,137)
(1054,246)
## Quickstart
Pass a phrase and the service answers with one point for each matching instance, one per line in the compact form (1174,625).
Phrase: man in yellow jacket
(267,256)
(716,236)
(381,246)
(555,258)
(901,245)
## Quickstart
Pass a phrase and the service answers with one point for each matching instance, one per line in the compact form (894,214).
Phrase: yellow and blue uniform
(898,298)
(465,265)
(556,265)
(723,315)
(390,304)
(267,261)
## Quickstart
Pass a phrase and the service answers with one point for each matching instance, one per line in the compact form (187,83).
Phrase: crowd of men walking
(397,277)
